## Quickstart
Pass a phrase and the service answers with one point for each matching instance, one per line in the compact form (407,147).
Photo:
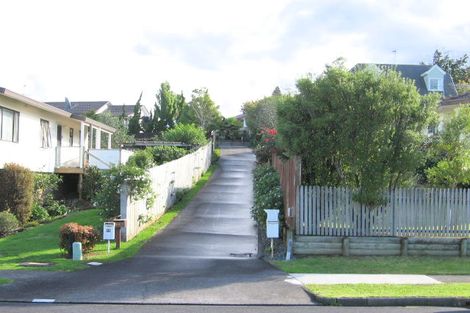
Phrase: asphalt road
(201,258)
(74,308)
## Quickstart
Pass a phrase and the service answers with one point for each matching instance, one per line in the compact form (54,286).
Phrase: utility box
(272,223)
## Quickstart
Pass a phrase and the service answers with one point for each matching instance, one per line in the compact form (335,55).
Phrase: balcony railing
(69,157)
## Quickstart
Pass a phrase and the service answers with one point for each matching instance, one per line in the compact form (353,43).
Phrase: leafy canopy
(361,129)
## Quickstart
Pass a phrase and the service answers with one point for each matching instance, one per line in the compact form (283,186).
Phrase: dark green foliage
(16,196)
(230,129)
(202,111)
(73,232)
(134,122)
(45,186)
(267,193)
(93,180)
(39,213)
(458,68)
(360,129)
(449,153)
(8,222)
(262,114)
(166,111)
(138,183)
(163,154)
(186,133)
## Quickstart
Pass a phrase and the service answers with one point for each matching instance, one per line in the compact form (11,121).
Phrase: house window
(45,134)
(71,137)
(434,84)
(9,123)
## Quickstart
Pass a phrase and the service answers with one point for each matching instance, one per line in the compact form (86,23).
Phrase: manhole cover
(36,264)
(241,255)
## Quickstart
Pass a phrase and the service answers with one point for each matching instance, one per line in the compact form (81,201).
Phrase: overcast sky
(240,50)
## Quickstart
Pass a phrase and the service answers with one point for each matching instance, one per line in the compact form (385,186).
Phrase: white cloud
(240,50)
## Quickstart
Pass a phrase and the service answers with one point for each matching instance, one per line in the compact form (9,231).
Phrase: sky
(240,50)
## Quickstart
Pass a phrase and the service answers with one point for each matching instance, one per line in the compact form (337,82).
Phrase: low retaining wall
(381,246)
(167,180)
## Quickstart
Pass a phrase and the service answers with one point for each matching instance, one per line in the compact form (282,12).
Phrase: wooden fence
(289,173)
(417,212)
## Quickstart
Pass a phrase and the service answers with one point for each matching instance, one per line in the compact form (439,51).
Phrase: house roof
(414,72)
(80,107)
(51,108)
(117,110)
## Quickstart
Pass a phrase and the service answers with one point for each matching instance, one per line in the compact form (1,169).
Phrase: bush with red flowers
(266,145)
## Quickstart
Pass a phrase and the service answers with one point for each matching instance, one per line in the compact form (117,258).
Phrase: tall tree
(458,68)
(202,110)
(277,91)
(166,111)
(361,129)
(134,123)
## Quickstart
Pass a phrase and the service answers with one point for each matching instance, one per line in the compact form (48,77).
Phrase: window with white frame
(435,84)
(9,124)
(45,134)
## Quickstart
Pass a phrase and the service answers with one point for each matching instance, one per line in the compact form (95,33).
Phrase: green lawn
(41,243)
(395,291)
(377,265)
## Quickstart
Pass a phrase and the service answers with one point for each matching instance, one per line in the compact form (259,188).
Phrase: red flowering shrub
(73,232)
(266,145)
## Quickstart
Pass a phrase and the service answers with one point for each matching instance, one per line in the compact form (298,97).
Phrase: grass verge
(41,243)
(377,265)
(450,290)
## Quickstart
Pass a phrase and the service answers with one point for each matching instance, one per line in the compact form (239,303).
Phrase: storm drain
(241,255)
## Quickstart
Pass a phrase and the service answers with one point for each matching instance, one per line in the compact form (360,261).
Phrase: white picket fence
(416,212)
(167,180)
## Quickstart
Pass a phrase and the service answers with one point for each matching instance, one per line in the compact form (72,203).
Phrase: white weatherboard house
(46,139)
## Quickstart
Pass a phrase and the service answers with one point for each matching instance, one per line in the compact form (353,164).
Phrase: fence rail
(417,212)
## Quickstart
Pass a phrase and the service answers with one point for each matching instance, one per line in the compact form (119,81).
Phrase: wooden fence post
(463,247)
(345,249)
(404,246)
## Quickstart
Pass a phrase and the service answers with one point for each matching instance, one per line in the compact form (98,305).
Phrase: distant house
(98,107)
(45,138)
(427,79)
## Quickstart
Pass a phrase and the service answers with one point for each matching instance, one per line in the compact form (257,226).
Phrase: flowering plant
(266,145)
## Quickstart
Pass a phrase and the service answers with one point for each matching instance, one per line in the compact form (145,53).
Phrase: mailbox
(272,223)
(108,231)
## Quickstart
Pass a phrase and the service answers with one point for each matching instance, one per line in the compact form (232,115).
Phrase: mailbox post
(272,227)
(108,233)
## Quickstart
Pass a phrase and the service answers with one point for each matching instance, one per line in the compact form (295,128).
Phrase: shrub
(163,154)
(8,222)
(93,180)
(57,208)
(73,232)
(142,159)
(39,213)
(266,146)
(45,185)
(16,185)
(186,133)
(136,178)
(267,193)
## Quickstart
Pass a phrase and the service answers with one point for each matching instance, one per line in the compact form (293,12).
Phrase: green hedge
(267,193)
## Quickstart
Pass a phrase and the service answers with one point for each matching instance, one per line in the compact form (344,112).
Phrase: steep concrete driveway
(200,258)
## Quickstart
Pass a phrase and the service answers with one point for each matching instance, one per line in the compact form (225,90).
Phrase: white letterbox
(272,223)
(108,231)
